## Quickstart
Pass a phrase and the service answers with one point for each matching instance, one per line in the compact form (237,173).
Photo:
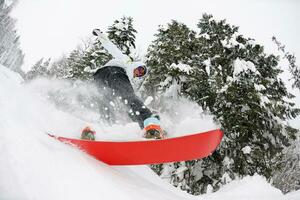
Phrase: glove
(96,32)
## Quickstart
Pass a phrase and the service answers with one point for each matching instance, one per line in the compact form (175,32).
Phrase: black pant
(117,81)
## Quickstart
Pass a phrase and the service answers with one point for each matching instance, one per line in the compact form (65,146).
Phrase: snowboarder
(114,75)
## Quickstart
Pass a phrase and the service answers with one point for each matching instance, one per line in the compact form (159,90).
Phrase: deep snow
(35,166)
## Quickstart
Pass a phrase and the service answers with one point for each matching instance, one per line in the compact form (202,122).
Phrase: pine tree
(95,57)
(122,34)
(174,64)
(287,179)
(171,59)
(81,63)
(76,65)
(291,58)
(10,54)
(39,69)
(239,84)
(250,102)
(59,69)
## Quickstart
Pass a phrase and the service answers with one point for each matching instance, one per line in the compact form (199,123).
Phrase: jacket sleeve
(113,49)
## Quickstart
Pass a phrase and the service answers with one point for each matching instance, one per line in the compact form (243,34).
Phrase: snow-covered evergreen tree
(76,65)
(10,54)
(122,34)
(59,69)
(291,58)
(39,69)
(238,83)
(95,57)
(176,65)
(171,60)
(251,101)
(81,63)
(288,178)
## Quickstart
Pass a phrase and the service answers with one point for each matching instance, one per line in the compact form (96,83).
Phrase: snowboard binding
(152,128)
(154,132)
(88,134)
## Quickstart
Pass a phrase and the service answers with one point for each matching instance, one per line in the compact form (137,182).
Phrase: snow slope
(35,166)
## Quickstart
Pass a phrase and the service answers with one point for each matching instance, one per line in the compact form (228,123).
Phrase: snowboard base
(189,147)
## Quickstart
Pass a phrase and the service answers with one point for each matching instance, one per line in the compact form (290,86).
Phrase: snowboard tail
(176,149)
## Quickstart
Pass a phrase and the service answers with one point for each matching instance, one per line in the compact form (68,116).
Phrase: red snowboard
(182,148)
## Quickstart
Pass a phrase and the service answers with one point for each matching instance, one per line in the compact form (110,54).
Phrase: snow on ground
(35,166)
(293,196)
(254,187)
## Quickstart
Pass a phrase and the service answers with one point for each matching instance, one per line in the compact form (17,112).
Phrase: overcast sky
(49,28)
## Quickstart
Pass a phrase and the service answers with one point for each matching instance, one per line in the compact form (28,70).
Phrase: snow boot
(152,129)
(88,134)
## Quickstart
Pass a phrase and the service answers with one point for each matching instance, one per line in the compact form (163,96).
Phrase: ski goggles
(139,71)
